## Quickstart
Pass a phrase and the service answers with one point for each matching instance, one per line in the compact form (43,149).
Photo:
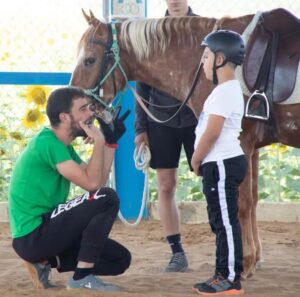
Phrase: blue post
(129,180)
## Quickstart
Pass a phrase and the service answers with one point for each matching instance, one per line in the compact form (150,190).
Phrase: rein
(147,111)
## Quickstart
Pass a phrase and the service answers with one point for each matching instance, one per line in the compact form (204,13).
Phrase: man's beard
(75,129)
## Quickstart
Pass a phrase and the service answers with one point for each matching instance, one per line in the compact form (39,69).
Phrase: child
(219,158)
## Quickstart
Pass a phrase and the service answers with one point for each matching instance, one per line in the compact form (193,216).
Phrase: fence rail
(34,78)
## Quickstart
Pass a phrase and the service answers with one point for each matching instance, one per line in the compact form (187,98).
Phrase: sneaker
(91,282)
(39,274)
(178,263)
(217,285)
(208,282)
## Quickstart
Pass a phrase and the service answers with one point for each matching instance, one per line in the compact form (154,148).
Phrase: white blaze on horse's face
(81,55)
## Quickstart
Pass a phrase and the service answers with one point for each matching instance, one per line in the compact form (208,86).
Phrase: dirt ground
(279,275)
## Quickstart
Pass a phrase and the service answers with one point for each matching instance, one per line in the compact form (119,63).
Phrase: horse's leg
(256,238)
(245,209)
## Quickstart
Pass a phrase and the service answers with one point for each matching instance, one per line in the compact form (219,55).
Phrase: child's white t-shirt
(226,100)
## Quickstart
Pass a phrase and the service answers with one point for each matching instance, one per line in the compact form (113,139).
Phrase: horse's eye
(89,61)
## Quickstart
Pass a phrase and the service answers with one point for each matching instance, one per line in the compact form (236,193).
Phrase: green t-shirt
(36,186)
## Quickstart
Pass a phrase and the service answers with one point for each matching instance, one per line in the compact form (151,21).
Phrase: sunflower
(283,148)
(51,41)
(2,152)
(276,148)
(37,95)
(33,118)
(3,133)
(16,135)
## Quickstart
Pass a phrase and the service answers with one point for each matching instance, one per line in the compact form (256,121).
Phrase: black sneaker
(217,285)
(39,274)
(208,282)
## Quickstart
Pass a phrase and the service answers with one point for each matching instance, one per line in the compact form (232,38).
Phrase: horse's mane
(148,36)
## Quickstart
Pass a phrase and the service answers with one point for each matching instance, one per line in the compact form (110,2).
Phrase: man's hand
(114,131)
(140,138)
(92,132)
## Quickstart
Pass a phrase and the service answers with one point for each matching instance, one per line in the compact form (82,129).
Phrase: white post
(106,10)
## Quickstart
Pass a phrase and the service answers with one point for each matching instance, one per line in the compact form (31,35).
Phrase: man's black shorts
(166,143)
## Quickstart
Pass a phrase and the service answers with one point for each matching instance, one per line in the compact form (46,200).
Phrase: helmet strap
(215,77)
(215,67)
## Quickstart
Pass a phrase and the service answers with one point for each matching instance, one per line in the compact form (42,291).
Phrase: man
(49,232)
(165,154)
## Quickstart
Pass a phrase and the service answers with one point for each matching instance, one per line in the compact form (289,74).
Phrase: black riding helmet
(228,42)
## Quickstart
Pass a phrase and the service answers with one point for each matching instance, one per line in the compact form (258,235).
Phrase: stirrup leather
(257,107)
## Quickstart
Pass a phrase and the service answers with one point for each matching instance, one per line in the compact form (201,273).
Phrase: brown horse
(165,53)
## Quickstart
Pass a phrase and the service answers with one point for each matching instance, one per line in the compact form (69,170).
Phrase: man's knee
(126,261)
(109,195)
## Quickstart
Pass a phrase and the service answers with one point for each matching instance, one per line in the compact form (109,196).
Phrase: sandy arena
(279,275)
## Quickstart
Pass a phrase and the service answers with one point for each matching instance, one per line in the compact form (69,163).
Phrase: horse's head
(96,69)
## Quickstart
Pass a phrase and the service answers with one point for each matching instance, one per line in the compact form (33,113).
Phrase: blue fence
(35,78)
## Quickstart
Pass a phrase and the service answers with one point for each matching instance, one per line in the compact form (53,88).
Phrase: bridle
(110,56)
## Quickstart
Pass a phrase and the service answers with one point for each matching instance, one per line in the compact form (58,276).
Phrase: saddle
(272,56)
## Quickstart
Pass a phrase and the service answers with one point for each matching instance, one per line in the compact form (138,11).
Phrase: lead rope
(142,158)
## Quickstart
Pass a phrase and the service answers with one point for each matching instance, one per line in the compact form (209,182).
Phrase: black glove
(113,131)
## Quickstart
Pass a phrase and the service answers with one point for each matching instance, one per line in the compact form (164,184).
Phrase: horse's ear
(93,20)
(92,15)
(88,19)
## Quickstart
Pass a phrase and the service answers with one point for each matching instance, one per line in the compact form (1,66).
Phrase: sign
(129,8)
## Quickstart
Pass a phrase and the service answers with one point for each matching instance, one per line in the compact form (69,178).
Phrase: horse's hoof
(248,272)
(259,264)
(244,276)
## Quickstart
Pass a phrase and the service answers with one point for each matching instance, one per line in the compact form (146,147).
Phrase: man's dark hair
(61,100)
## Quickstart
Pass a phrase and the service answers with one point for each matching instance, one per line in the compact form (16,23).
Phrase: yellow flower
(276,148)
(2,152)
(51,41)
(283,148)
(3,133)
(37,95)
(64,35)
(16,135)
(33,118)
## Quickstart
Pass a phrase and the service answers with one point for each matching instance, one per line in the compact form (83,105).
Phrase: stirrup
(257,107)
